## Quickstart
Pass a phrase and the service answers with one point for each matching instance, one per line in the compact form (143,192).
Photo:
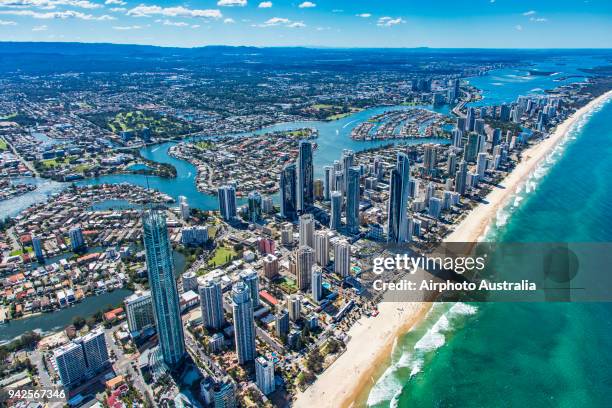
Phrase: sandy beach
(372,339)
(474,225)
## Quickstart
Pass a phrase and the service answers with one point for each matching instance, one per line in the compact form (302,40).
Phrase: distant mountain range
(46,57)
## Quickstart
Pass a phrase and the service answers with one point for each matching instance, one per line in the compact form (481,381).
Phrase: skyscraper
(397,221)
(295,307)
(227,202)
(305,181)
(139,311)
(352,199)
(481,165)
(184,207)
(162,280)
(321,247)
(38,250)
(305,261)
(461,178)
(264,375)
(472,147)
(288,192)
(270,266)
(70,363)
(451,164)
(254,201)
(251,278)
(430,159)
(211,303)
(81,359)
(77,241)
(348,159)
(327,182)
(342,258)
(470,120)
(307,228)
(224,394)
(282,324)
(244,325)
(336,211)
(316,286)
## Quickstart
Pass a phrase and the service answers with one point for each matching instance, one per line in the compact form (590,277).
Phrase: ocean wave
(538,174)
(390,385)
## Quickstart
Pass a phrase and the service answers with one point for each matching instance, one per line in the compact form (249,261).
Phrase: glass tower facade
(162,281)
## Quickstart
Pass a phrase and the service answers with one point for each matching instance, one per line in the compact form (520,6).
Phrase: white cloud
(518,27)
(389,21)
(529,13)
(280,21)
(148,11)
(172,23)
(538,19)
(56,15)
(125,28)
(117,9)
(231,3)
(117,2)
(40,28)
(307,4)
(7,23)
(49,4)
(364,15)
(229,21)
(265,4)
(195,26)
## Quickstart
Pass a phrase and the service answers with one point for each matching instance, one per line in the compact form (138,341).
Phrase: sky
(317,23)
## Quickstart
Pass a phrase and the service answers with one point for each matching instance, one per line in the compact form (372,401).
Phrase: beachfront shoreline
(369,350)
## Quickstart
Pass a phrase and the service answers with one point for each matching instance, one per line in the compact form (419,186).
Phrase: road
(196,350)
(123,363)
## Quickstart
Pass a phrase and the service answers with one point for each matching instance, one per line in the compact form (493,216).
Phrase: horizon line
(314,47)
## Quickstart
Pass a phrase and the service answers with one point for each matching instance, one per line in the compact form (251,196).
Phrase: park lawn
(204,144)
(339,116)
(320,106)
(53,163)
(212,232)
(81,168)
(222,256)
(287,285)
(3,145)
(20,251)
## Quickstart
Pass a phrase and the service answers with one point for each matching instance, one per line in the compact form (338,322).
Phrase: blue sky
(327,23)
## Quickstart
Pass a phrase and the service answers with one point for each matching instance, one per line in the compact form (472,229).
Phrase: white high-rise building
(184,207)
(81,359)
(70,363)
(264,374)
(295,307)
(317,283)
(307,228)
(211,303)
(139,311)
(321,247)
(250,277)
(305,261)
(244,325)
(342,258)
